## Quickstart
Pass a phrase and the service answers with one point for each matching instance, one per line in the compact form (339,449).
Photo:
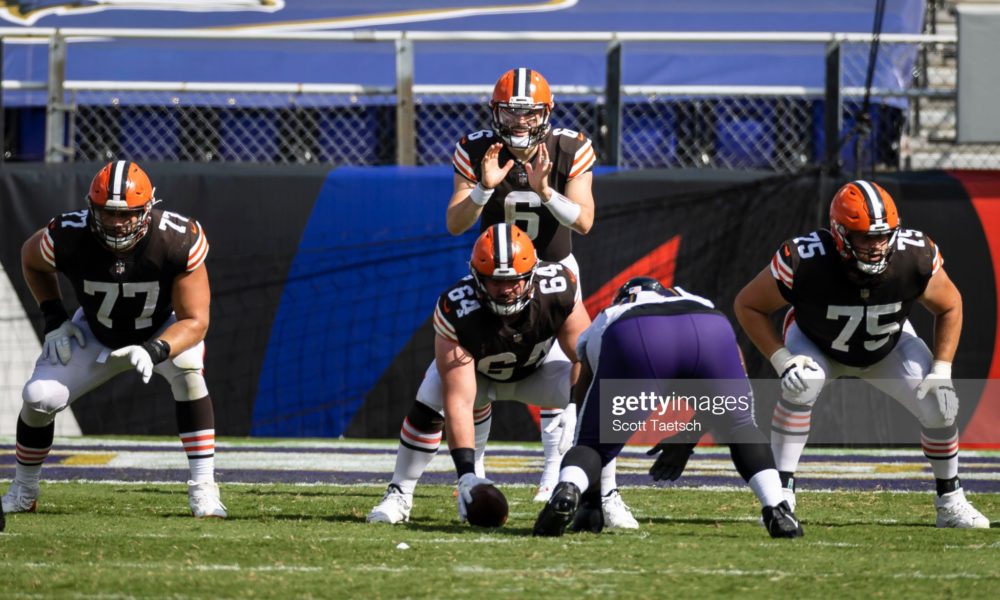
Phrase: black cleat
(590,515)
(781,522)
(558,511)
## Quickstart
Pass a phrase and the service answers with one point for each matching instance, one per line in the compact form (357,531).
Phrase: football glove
(566,420)
(465,484)
(672,459)
(939,382)
(135,357)
(794,372)
(57,347)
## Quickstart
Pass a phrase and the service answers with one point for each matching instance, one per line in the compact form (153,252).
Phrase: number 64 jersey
(126,298)
(511,350)
(855,319)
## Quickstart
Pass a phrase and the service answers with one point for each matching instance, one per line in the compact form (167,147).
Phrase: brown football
(488,508)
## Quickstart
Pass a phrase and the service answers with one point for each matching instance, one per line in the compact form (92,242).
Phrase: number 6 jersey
(853,318)
(514,202)
(508,350)
(125,298)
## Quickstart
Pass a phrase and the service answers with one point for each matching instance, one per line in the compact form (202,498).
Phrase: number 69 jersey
(508,351)
(854,319)
(514,202)
(125,298)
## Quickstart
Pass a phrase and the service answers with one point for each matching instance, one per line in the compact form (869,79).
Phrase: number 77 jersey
(854,318)
(126,297)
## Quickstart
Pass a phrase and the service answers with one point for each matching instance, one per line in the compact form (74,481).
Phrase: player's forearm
(947,331)
(458,425)
(184,334)
(461,216)
(759,329)
(44,286)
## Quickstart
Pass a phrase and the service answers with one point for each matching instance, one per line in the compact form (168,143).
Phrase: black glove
(672,459)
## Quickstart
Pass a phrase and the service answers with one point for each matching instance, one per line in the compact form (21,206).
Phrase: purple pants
(699,345)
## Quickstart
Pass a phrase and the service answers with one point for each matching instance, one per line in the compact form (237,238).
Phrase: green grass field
(115,540)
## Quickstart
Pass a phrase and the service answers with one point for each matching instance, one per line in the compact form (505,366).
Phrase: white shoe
(789,496)
(204,500)
(20,498)
(953,510)
(617,514)
(544,493)
(394,508)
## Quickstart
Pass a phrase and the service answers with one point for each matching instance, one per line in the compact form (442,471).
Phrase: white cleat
(20,498)
(204,500)
(544,493)
(394,508)
(953,510)
(617,514)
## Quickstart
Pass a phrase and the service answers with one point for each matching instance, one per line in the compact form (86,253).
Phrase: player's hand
(672,459)
(938,381)
(538,172)
(465,484)
(795,371)
(566,420)
(493,173)
(57,346)
(137,358)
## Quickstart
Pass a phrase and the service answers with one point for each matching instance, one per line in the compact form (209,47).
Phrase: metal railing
(781,128)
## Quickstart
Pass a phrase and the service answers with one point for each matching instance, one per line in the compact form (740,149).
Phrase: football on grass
(488,508)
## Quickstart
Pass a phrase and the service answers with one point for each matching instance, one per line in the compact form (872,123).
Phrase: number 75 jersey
(508,350)
(125,298)
(853,318)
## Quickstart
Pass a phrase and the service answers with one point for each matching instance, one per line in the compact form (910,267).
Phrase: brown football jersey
(513,201)
(853,318)
(126,298)
(508,350)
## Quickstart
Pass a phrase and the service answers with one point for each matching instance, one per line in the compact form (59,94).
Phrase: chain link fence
(910,123)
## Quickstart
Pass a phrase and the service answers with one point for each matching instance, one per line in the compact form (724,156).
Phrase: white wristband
(480,195)
(779,358)
(941,368)
(563,209)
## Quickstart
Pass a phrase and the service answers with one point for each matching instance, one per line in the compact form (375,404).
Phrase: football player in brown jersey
(139,275)
(494,331)
(522,171)
(851,290)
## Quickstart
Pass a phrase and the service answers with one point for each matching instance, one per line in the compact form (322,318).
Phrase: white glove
(465,484)
(566,420)
(57,345)
(939,382)
(137,358)
(793,370)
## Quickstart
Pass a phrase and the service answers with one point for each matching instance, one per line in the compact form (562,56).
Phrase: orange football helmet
(521,105)
(863,209)
(121,200)
(504,253)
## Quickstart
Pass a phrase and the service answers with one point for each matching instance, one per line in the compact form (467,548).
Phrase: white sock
(766,485)
(202,469)
(608,479)
(550,446)
(789,433)
(483,418)
(576,476)
(411,463)
(27,475)
(200,449)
